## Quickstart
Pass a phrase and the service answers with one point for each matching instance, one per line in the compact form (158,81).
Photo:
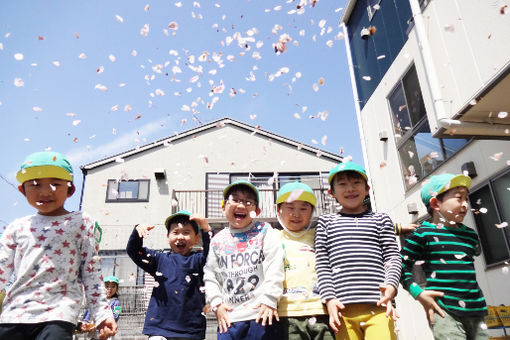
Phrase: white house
(189,171)
(431,83)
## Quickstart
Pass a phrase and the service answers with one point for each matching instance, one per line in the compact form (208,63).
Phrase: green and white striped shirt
(447,256)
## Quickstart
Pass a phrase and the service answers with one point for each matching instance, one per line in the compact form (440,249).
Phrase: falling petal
(37,109)
(502,225)
(18,56)
(56,63)
(496,156)
(112,58)
(119,18)
(144,31)
(101,87)
(18,82)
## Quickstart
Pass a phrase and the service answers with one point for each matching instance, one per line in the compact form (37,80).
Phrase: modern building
(431,84)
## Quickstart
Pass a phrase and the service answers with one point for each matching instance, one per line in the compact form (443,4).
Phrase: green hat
(169,219)
(111,278)
(243,183)
(45,164)
(296,191)
(347,166)
(441,183)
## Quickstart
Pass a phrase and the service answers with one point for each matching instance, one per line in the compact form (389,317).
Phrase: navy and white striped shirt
(355,255)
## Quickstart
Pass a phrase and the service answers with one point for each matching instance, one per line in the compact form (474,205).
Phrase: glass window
(398,107)
(491,206)
(414,99)
(127,191)
(420,153)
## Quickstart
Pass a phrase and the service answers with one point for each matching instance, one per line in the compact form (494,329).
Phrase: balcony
(208,203)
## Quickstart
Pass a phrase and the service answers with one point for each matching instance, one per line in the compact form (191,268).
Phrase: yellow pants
(366,321)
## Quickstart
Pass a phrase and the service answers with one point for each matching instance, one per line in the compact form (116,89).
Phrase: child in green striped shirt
(446,248)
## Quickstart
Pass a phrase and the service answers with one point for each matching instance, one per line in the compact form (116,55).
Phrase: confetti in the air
(18,82)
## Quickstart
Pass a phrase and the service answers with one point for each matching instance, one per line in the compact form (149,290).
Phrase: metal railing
(208,202)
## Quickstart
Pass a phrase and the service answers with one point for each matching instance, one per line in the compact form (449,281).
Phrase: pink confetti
(18,82)
(502,225)
(496,156)
(144,31)
(101,87)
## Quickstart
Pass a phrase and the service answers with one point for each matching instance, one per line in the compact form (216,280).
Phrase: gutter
(459,127)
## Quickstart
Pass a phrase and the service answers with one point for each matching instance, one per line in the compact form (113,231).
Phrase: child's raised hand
(221,314)
(107,328)
(266,313)
(202,222)
(143,230)
(334,308)
(387,294)
(427,298)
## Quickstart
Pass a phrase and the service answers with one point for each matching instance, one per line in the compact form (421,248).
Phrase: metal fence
(208,202)
(134,301)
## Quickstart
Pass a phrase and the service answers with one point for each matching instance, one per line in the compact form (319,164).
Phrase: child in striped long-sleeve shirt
(447,248)
(358,262)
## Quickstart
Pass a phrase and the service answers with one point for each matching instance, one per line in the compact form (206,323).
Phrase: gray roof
(220,122)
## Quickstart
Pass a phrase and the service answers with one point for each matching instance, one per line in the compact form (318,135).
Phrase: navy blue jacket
(175,307)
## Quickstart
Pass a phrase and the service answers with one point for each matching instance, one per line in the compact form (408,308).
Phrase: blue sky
(93,78)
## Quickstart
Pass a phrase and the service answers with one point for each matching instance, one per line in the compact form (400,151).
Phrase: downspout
(358,113)
(84,172)
(461,128)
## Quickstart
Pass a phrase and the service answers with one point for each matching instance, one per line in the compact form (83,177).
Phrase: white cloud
(80,156)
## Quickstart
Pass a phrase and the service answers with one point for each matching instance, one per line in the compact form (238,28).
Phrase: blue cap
(111,278)
(169,219)
(347,166)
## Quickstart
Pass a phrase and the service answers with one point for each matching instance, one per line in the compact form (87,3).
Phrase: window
(491,206)
(127,191)
(372,57)
(420,153)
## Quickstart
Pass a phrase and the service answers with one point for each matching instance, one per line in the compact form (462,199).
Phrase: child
(111,284)
(358,262)
(244,271)
(175,307)
(448,248)
(303,316)
(53,254)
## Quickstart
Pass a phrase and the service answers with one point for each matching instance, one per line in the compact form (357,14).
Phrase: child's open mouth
(239,216)
(180,246)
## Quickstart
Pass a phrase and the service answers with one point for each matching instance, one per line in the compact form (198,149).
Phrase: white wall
(228,149)
(470,45)
(465,59)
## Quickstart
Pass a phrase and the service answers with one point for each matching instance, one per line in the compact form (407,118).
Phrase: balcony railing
(208,203)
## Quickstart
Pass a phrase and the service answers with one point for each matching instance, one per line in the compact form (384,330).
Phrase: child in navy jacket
(175,307)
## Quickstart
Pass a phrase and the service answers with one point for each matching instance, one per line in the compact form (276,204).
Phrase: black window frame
(505,232)
(108,199)
(416,127)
